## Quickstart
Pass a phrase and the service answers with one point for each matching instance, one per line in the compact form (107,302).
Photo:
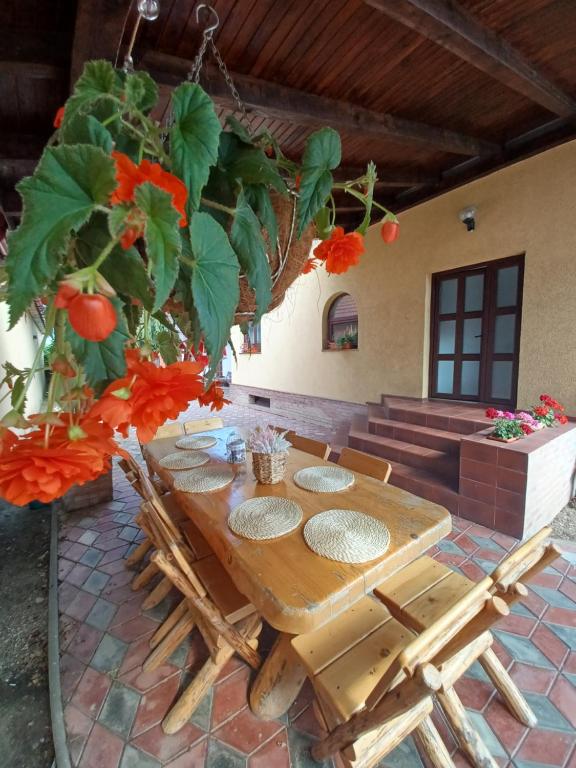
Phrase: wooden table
(293,588)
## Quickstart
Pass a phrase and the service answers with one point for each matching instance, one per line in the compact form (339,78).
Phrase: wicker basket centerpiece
(269,454)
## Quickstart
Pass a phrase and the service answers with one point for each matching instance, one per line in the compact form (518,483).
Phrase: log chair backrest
(474,613)
(202,425)
(308,445)
(169,430)
(372,466)
(524,563)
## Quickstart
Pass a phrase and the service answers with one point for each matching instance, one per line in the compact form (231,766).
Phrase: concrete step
(427,485)
(399,451)
(427,437)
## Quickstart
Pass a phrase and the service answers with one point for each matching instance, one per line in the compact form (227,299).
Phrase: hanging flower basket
(147,242)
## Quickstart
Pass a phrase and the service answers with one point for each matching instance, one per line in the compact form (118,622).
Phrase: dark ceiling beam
(520,147)
(98,32)
(283,103)
(31,69)
(451,26)
(21,145)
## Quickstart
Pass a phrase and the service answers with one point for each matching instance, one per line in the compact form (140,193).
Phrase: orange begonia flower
(214,397)
(156,395)
(341,251)
(31,471)
(58,118)
(129,176)
(310,266)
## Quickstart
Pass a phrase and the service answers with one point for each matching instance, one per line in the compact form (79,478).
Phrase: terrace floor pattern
(113,709)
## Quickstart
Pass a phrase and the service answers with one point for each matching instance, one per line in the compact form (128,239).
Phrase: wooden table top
(293,588)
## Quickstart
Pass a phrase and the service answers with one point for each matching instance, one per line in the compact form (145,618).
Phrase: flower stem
(35,367)
(218,206)
(104,254)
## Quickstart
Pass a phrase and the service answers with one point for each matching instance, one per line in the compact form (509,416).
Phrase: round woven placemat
(184,460)
(265,517)
(196,443)
(324,479)
(204,479)
(346,536)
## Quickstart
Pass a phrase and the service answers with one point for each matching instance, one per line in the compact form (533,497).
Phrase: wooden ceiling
(436,92)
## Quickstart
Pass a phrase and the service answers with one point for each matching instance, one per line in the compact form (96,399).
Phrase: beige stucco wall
(19,346)
(527,208)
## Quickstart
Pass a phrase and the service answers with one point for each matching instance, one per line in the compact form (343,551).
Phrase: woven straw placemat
(184,460)
(265,517)
(346,536)
(196,443)
(324,479)
(204,479)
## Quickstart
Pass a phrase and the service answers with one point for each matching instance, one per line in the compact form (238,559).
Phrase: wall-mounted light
(468,217)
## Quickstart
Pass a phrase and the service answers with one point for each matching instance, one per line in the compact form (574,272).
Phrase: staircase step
(462,420)
(425,484)
(427,437)
(405,453)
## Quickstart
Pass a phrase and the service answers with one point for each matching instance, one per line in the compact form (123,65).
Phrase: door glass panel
(507,287)
(448,293)
(446,337)
(445,377)
(470,377)
(474,293)
(472,337)
(502,379)
(504,334)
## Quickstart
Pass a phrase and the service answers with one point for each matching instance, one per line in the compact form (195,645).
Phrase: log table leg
(278,682)
(468,739)
(432,744)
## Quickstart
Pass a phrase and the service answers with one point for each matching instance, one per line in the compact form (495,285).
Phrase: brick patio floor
(113,709)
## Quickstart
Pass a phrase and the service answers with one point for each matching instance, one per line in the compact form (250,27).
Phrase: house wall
(528,208)
(19,346)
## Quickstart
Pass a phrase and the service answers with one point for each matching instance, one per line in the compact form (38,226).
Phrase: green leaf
(194,138)
(248,164)
(86,129)
(67,185)
(322,221)
(259,198)
(163,244)
(124,270)
(17,390)
(321,155)
(168,346)
(102,360)
(238,129)
(141,91)
(246,238)
(99,81)
(214,282)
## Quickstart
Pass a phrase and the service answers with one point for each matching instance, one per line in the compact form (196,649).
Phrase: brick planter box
(87,495)
(516,488)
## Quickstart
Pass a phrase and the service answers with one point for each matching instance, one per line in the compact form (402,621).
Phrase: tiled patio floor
(113,709)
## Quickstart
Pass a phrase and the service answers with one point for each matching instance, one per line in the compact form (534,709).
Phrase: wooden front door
(475,340)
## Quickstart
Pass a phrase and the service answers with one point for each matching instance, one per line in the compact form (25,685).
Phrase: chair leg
(432,744)
(467,737)
(206,677)
(138,554)
(144,576)
(169,644)
(158,594)
(506,687)
(169,623)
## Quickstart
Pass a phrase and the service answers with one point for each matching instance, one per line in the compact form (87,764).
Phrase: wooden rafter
(451,26)
(389,178)
(98,33)
(289,104)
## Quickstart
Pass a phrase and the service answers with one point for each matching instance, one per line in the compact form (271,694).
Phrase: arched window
(342,323)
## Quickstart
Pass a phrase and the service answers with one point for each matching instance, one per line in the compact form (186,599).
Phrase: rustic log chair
(226,619)
(308,445)
(365,464)
(138,480)
(421,591)
(375,679)
(203,425)
(282,430)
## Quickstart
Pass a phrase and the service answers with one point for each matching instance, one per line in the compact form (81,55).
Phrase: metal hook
(209,30)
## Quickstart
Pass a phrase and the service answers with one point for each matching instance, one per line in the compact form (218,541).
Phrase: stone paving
(113,709)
